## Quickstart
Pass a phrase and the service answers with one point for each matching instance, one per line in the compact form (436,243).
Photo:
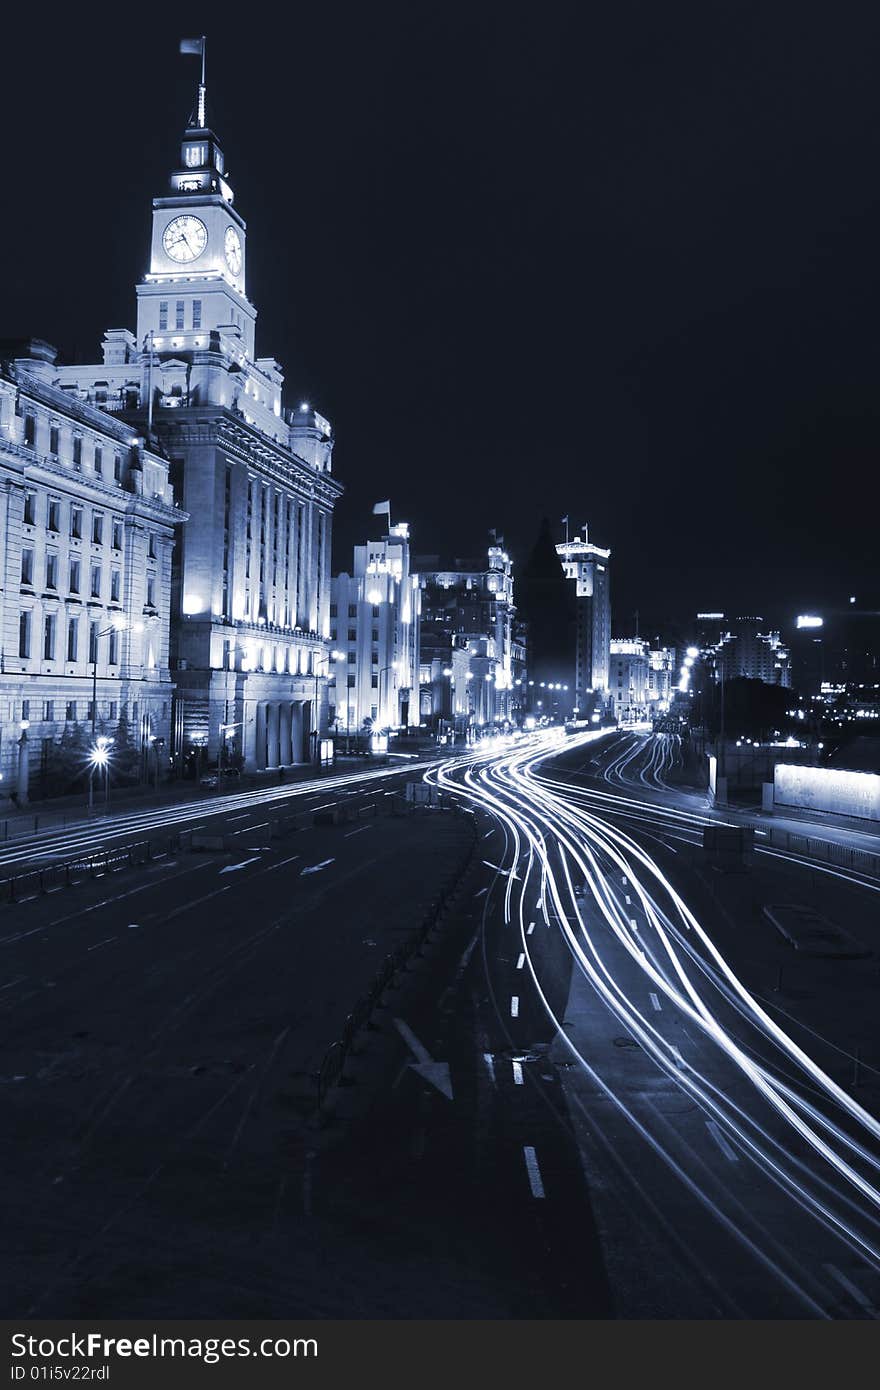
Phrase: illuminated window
(197,313)
(178,314)
(163,315)
(117,534)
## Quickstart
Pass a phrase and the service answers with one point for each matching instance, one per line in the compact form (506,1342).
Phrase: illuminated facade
(374,637)
(744,650)
(88,522)
(587,566)
(640,678)
(251,590)
(472,651)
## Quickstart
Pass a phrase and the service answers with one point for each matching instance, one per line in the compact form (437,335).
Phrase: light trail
(799,1128)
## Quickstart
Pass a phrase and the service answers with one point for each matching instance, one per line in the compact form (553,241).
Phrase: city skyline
(390,249)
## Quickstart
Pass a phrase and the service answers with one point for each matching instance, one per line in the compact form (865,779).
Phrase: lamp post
(392,666)
(315,733)
(119,624)
(225,731)
(99,758)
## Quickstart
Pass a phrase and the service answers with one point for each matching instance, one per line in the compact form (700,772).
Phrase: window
(375,610)
(77,451)
(24,634)
(351,682)
(151,545)
(351,658)
(114,710)
(333,610)
(53,440)
(54,522)
(374,680)
(151,591)
(113,657)
(99,461)
(94,629)
(178,314)
(96,581)
(115,585)
(97,529)
(72,638)
(49,711)
(352,634)
(25,709)
(76,523)
(74,577)
(197,313)
(70,711)
(117,467)
(51,571)
(117,534)
(163,315)
(49,637)
(375,634)
(27,567)
(30,429)
(352,610)
(30,509)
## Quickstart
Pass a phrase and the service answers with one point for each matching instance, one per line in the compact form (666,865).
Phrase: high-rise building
(374,637)
(88,521)
(472,654)
(251,589)
(587,567)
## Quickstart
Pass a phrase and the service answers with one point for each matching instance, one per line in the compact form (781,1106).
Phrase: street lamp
(118,623)
(225,731)
(392,666)
(99,758)
(314,733)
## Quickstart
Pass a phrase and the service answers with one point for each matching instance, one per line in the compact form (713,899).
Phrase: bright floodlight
(338,656)
(99,755)
(809,620)
(447,670)
(694,652)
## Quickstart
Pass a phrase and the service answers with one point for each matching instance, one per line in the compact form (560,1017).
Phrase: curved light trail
(630,931)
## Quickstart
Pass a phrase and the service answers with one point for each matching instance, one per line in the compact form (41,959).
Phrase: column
(286,730)
(273,748)
(260,749)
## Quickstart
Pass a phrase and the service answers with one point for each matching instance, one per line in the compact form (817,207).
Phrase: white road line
(627,899)
(480,892)
(490,1064)
(99,944)
(625,881)
(359,831)
(185,907)
(852,1289)
(517,1074)
(234,868)
(522,960)
(244,815)
(316,868)
(531,928)
(633,923)
(533,1171)
(514,1006)
(718,1135)
(655,1001)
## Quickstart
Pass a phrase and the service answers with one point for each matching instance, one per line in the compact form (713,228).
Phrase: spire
(197,47)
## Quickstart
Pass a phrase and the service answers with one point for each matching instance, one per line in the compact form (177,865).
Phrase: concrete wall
(835,790)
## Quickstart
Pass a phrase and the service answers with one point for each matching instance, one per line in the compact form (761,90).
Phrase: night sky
(619,262)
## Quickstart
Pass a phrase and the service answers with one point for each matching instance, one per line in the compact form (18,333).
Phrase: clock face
(185,238)
(232,250)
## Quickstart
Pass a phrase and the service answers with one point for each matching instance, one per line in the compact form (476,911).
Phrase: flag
(196,46)
(381,507)
(565,521)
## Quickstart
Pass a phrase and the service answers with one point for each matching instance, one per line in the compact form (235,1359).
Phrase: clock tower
(195,286)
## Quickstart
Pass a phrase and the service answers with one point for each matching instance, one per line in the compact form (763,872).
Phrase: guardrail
(35,883)
(331,1072)
(828,851)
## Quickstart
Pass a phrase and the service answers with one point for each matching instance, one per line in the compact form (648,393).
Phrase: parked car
(807,931)
(210,779)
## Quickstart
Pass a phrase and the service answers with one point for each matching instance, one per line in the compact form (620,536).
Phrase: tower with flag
(252,573)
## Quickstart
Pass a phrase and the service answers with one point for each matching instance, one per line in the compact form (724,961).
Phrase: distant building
(88,519)
(587,566)
(472,645)
(738,647)
(641,678)
(374,638)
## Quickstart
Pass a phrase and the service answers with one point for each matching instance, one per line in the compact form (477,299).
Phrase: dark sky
(615,261)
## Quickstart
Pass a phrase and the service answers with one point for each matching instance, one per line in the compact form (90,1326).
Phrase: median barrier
(200,841)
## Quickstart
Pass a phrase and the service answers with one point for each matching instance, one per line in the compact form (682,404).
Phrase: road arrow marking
(316,868)
(234,868)
(437,1073)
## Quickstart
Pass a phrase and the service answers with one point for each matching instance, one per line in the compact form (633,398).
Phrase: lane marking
(98,944)
(534,1172)
(234,868)
(490,1064)
(316,868)
(480,892)
(655,1001)
(522,960)
(633,923)
(359,831)
(517,1074)
(244,815)
(628,903)
(185,907)
(514,1006)
(531,929)
(718,1135)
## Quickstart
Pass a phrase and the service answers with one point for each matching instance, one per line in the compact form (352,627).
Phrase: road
(754,1170)
(592,1098)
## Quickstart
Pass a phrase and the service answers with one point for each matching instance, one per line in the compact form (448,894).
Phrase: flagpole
(202,86)
(150,389)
